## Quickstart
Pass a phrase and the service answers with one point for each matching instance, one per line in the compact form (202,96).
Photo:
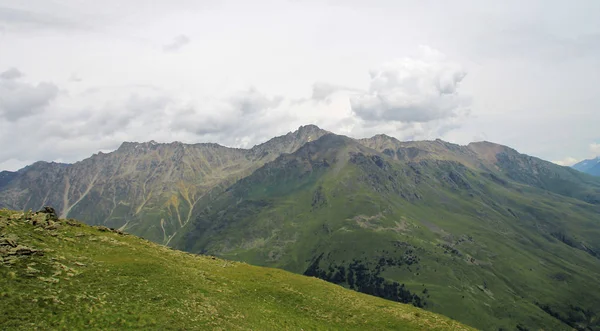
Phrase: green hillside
(63,275)
(482,234)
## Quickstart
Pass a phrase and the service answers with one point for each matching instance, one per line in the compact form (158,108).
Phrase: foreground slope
(480,233)
(147,189)
(61,274)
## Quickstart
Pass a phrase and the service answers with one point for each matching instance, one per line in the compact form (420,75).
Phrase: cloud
(177,43)
(12,73)
(568,161)
(413,89)
(229,119)
(595,149)
(77,124)
(75,78)
(251,101)
(322,91)
(30,19)
(18,100)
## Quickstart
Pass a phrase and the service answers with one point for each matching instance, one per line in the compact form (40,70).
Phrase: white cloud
(533,70)
(415,89)
(568,161)
(79,124)
(595,149)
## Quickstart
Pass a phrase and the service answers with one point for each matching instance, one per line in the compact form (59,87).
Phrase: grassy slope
(496,265)
(92,279)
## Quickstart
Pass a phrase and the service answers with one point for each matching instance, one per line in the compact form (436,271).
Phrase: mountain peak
(310,132)
(291,141)
(590,166)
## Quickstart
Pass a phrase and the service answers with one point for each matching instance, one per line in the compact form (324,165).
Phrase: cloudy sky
(78,76)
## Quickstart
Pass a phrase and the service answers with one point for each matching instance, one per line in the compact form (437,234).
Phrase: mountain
(147,189)
(591,166)
(61,274)
(480,233)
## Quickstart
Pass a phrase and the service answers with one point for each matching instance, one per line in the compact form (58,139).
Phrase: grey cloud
(412,90)
(12,73)
(177,43)
(18,100)
(77,125)
(235,120)
(322,91)
(131,110)
(38,20)
(75,78)
(251,101)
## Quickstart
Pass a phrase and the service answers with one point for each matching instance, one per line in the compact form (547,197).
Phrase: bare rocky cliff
(149,189)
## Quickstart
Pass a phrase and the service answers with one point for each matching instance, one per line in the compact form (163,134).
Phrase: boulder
(24,250)
(49,211)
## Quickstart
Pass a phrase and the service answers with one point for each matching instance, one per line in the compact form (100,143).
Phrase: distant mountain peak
(590,166)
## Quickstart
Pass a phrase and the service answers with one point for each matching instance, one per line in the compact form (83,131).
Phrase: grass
(488,255)
(86,278)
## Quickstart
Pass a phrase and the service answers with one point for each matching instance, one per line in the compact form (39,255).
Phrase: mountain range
(591,166)
(480,233)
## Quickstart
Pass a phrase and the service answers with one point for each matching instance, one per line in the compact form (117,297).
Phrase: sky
(78,77)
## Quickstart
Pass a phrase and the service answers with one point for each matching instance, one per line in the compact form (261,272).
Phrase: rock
(102,228)
(8,242)
(10,260)
(39,220)
(72,222)
(79,234)
(79,264)
(48,279)
(52,225)
(24,250)
(49,211)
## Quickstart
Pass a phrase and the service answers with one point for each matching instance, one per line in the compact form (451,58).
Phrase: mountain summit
(481,233)
(150,189)
(591,166)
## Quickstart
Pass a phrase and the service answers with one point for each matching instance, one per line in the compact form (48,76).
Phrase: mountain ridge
(480,233)
(591,166)
(361,218)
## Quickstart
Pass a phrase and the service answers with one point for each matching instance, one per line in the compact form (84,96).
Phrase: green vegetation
(486,247)
(61,274)
(481,233)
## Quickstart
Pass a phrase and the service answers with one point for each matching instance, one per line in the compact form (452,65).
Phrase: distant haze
(77,77)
